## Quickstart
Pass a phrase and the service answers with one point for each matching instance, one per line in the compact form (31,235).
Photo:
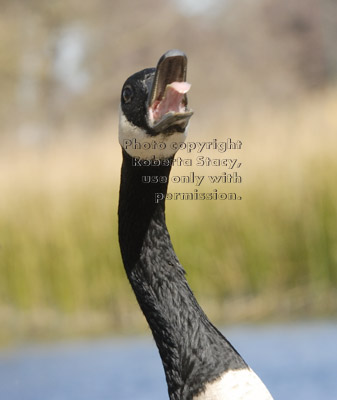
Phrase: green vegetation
(271,255)
(278,240)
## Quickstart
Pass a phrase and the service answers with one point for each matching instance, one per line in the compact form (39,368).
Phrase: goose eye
(127,94)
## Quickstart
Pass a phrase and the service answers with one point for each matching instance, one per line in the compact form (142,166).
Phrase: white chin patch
(137,143)
(242,384)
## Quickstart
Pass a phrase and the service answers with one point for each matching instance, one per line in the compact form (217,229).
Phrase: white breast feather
(241,384)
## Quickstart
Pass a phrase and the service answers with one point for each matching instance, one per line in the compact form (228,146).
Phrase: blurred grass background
(263,72)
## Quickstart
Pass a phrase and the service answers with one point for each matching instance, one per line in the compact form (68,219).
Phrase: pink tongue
(171,101)
(181,87)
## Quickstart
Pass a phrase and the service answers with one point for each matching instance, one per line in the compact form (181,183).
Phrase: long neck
(193,351)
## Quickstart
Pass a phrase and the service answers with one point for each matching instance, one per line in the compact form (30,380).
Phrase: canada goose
(198,360)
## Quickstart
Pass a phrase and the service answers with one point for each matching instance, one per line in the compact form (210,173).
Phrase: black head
(154,104)
(134,97)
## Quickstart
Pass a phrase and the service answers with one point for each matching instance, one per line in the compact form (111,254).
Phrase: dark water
(296,361)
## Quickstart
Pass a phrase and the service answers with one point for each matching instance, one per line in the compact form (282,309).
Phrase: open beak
(167,102)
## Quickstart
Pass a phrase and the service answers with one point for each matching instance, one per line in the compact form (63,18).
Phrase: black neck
(192,349)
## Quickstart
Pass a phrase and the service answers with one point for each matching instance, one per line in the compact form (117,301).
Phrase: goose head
(154,115)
